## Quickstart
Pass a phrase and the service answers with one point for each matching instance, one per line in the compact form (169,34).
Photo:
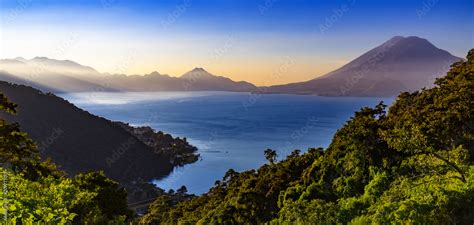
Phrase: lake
(231,130)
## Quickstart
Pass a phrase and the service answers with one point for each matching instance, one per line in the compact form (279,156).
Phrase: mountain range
(50,75)
(57,76)
(197,79)
(399,64)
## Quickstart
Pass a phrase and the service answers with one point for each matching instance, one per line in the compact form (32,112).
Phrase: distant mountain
(68,76)
(400,64)
(51,75)
(42,65)
(79,141)
(62,66)
(150,82)
(196,80)
(200,79)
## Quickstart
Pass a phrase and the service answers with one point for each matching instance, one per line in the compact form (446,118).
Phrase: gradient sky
(261,41)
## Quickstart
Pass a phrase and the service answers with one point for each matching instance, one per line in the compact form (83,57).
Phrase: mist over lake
(231,130)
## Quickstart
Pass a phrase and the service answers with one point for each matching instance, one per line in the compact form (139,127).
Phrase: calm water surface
(231,130)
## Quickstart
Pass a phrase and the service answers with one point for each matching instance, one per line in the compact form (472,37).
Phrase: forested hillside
(410,164)
(35,190)
(78,141)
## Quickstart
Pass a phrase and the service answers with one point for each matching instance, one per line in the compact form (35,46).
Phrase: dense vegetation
(37,191)
(410,165)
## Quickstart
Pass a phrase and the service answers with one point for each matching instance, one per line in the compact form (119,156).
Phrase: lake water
(231,130)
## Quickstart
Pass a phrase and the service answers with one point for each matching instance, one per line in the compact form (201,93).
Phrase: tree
(17,151)
(231,173)
(437,122)
(271,155)
(43,201)
(182,190)
(110,201)
(295,153)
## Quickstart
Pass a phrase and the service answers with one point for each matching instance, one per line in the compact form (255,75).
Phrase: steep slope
(400,64)
(79,141)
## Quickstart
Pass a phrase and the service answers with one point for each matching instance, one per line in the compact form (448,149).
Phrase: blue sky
(242,39)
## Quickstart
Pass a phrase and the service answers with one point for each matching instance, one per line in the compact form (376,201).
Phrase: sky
(265,42)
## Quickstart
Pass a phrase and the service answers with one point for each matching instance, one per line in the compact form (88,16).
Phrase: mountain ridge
(51,75)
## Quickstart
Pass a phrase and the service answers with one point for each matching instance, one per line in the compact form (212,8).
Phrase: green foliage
(240,198)
(46,200)
(271,155)
(437,122)
(6,105)
(436,199)
(36,191)
(412,165)
(109,203)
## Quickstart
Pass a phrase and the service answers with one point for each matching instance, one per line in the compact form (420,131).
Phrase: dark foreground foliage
(37,191)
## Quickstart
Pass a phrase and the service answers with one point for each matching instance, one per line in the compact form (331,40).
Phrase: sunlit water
(231,130)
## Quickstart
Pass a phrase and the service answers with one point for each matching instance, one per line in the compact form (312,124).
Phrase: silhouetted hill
(79,141)
(400,64)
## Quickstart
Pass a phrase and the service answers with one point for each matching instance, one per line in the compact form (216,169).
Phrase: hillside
(400,64)
(177,150)
(411,165)
(78,141)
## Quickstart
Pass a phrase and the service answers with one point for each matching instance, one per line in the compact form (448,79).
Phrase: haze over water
(231,130)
